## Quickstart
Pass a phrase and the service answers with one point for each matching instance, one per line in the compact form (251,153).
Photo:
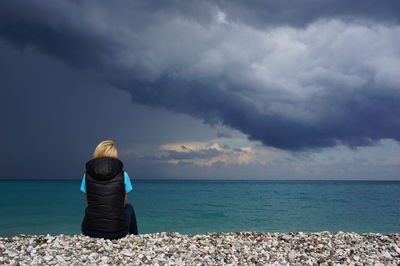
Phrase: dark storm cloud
(223,135)
(332,82)
(261,13)
(176,155)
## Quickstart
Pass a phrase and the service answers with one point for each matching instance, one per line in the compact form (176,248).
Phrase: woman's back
(105,192)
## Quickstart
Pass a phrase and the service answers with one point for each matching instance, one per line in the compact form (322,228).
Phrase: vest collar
(104,168)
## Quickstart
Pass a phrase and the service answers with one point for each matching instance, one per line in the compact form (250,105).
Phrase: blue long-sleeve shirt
(127,181)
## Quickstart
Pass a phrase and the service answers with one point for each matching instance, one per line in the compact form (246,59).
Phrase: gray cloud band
(291,87)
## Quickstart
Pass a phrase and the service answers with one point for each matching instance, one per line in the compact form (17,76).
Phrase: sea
(201,206)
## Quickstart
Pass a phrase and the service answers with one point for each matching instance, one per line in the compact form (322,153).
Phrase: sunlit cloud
(208,154)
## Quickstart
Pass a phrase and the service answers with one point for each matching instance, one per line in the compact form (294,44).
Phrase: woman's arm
(128,186)
(126,199)
(83,186)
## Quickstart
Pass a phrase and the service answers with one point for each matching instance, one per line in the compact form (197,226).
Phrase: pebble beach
(240,248)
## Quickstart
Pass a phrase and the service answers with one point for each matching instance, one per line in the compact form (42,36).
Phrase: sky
(206,89)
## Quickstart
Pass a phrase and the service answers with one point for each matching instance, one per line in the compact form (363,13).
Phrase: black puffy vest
(105,190)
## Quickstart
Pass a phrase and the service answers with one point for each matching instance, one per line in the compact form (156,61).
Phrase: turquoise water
(57,207)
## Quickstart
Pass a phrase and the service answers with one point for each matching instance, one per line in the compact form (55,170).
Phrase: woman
(106,185)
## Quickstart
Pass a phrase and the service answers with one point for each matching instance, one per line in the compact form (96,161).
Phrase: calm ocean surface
(190,207)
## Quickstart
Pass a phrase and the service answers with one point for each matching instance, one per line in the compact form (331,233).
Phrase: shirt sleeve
(83,184)
(127,181)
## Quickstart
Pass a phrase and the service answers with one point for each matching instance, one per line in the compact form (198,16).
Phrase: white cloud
(220,18)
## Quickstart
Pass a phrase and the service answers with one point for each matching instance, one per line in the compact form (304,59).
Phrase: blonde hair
(106,148)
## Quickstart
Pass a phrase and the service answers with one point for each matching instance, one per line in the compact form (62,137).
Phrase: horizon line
(200,179)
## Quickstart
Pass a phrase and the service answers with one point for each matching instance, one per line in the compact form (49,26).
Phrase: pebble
(127,253)
(397,249)
(291,255)
(93,256)
(386,255)
(238,248)
(12,254)
(105,259)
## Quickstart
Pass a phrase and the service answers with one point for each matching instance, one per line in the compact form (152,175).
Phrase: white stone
(105,259)
(12,254)
(396,248)
(93,256)
(291,256)
(386,255)
(126,253)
